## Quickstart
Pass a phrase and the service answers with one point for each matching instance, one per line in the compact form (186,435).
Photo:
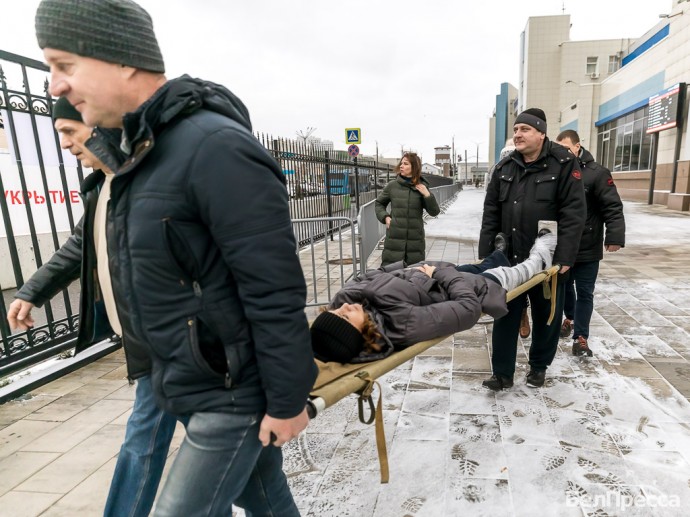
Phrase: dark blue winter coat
(202,256)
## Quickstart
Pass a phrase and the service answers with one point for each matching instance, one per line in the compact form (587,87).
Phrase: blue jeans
(142,456)
(583,277)
(222,462)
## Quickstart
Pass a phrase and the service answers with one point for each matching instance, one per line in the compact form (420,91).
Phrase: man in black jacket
(149,431)
(539,181)
(210,294)
(604,207)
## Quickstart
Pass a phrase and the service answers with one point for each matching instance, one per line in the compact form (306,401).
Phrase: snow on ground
(462,220)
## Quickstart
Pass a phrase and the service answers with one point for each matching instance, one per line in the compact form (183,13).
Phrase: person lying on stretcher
(394,307)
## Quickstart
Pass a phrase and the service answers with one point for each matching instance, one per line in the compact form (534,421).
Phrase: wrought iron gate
(40,204)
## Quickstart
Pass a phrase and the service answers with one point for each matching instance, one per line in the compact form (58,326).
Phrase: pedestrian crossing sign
(353,135)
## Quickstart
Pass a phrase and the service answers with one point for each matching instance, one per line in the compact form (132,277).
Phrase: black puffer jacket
(521,195)
(604,207)
(202,254)
(405,238)
(75,259)
(410,307)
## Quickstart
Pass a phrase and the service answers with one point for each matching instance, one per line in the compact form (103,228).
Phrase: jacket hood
(384,342)
(176,98)
(183,96)
(585,156)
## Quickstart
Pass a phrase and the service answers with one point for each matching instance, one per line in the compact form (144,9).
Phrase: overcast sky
(410,73)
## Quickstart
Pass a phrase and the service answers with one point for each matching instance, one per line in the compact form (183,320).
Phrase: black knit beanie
(63,109)
(117,31)
(334,339)
(533,117)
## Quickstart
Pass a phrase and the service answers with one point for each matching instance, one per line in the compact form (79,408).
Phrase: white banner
(36,196)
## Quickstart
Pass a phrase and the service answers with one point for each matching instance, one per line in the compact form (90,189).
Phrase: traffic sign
(353,150)
(353,135)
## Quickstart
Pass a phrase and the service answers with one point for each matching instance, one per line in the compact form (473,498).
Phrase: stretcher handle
(311,410)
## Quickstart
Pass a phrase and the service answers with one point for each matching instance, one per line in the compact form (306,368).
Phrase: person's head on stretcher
(341,333)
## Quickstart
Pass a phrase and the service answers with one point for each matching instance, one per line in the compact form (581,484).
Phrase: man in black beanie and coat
(539,181)
(226,345)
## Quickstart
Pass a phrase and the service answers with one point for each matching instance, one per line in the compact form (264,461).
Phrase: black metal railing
(325,183)
(37,206)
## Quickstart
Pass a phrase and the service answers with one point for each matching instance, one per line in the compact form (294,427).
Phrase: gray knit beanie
(117,31)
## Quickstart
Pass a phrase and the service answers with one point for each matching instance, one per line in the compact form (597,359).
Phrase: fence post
(329,200)
(356,185)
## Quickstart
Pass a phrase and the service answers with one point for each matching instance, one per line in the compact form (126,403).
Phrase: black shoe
(498,382)
(535,378)
(566,328)
(500,242)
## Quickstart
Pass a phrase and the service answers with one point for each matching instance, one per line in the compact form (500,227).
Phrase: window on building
(592,65)
(624,144)
(614,63)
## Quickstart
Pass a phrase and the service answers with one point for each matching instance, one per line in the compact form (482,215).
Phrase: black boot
(498,382)
(501,242)
(535,378)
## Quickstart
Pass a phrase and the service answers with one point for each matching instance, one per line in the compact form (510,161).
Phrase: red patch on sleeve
(610,182)
(577,175)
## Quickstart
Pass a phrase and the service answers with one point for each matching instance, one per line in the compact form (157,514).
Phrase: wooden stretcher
(336,381)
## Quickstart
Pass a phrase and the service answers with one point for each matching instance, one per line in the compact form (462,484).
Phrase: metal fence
(327,263)
(39,205)
(325,183)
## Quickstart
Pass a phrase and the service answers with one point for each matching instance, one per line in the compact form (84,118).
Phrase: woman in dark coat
(408,196)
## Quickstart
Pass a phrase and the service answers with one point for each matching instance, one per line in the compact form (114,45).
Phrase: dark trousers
(544,337)
(496,259)
(583,277)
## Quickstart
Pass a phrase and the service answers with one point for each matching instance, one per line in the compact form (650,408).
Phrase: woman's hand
(422,190)
(426,268)
(388,222)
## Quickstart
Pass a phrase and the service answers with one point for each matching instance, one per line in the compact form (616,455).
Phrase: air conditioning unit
(594,75)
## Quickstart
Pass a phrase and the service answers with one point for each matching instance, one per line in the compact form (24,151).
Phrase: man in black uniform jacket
(539,181)
(604,207)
